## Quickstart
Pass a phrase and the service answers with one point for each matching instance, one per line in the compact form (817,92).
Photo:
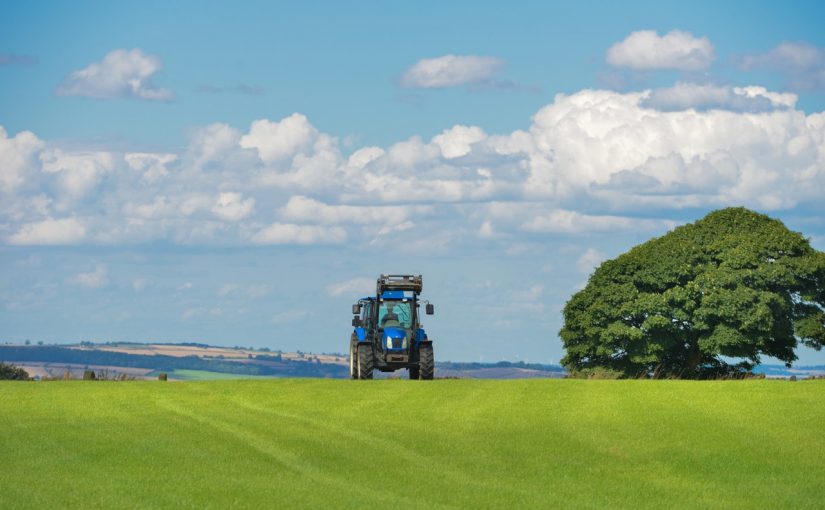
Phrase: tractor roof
(391,294)
(391,282)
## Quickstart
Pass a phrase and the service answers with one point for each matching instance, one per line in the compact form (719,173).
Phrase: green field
(452,444)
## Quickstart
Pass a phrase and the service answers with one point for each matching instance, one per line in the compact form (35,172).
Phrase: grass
(449,444)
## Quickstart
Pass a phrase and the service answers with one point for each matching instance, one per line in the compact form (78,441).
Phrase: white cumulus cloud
(363,157)
(215,142)
(458,140)
(121,73)
(614,148)
(290,233)
(232,206)
(450,71)
(304,209)
(79,172)
(593,161)
(802,64)
(564,221)
(17,158)
(588,260)
(708,96)
(486,230)
(647,50)
(278,140)
(152,167)
(49,232)
(93,279)
(355,286)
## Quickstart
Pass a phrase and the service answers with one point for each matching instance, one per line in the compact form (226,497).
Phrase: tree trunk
(693,358)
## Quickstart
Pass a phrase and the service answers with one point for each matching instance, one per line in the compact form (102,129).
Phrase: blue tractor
(388,334)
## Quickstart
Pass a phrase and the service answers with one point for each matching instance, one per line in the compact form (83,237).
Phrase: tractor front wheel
(365,362)
(426,362)
(353,362)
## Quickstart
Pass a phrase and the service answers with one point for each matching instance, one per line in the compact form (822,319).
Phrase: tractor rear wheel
(426,362)
(414,373)
(365,362)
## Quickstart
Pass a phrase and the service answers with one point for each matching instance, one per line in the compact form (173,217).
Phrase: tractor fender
(421,337)
(426,341)
(360,335)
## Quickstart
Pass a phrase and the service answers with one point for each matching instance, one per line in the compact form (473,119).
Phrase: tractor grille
(397,343)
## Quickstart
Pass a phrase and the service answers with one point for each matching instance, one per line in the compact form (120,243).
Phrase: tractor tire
(365,362)
(353,362)
(426,362)
(414,373)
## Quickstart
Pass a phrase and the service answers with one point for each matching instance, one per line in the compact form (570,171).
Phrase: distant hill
(144,361)
(500,370)
(193,360)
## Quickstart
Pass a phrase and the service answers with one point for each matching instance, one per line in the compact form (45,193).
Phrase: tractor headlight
(404,343)
(389,343)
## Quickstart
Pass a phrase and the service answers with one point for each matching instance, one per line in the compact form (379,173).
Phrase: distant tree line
(451,365)
(283,367)
(269,357)
(13,373)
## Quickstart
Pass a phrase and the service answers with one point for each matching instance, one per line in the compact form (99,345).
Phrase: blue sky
(239,172)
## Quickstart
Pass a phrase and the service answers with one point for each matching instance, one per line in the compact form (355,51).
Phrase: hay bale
(162,376)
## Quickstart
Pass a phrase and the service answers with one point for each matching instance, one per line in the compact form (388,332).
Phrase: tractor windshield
(395,314)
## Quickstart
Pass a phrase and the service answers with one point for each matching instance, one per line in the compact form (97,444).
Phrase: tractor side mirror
(356,322)
(430,309)
(356,309)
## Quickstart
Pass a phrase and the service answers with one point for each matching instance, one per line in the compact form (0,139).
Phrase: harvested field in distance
(301,443)
(228,353)
(57,370)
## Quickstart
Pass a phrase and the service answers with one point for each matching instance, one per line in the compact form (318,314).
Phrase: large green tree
(707,299)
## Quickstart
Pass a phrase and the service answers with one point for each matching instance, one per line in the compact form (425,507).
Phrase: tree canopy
(708,299)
